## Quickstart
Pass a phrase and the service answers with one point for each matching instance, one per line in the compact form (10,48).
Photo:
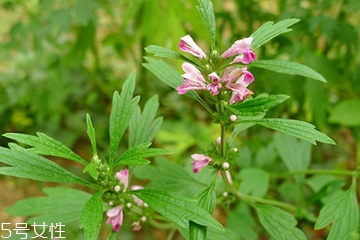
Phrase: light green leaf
(288,67)
(176,208)
(206,11)
(137,155)
(123,107)
(269,30)
(143,127)
(165,52)
(342,211)
(60,205)
(91,216)
(45,145)
(295,128)
(278,223)
(346,113)
(242,221)
(25,164)
(257,106)
(91,134)
(254,182)
(92,168)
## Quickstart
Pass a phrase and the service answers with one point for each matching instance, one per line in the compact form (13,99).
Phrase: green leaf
(254,182)
(346,113)
(60,205)
(45,145)
(342,211)
(91,134)
(91,216)
(137,155)
(25,164)
(257,106)
(92,168)
(206,11)
(165,52)
(242,221)
(207,200)
(176,208)
(288,67)
(269,30)
(143,127)
(278,223)
(123,107)
(295,128)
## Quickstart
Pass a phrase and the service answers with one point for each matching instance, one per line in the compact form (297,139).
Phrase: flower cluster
(234,79)
(115,214)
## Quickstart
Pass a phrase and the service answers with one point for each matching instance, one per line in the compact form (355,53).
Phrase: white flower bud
(233,118)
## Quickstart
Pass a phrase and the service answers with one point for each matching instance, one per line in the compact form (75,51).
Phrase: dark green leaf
(45,145)
(278,223)
(207,15)
(288,67)
(177,209)
(295,128)
(269,30)
(91,216)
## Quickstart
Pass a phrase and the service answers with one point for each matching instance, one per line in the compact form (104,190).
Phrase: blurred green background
(61,59)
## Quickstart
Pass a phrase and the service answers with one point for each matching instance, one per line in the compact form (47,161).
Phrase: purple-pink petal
(193,79)
(238,47)
(247,57)
(123,176)
(115,217)
(187,44)
(200,161)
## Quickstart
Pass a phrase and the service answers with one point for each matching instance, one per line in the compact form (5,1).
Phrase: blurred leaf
(278,223)
(269,30)
(123,107)
(45,145)
(176,208)
(254,182)
(25,164)
(206,11)
(242,222)
(91,216)
(288,67)
(346,113)
(85,11)
(165,52)
(137,155)
(295,128)
(47,209)
(143,127)
(342,211)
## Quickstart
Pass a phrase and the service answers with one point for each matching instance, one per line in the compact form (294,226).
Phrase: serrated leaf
(123,107)
(288,67)
(26,164)
(206,11)
(60,205)
(295,128)
(269,30)
(254,182)
(257,106)
(91,216)
(91,134)
(278,223)
(137,155)
(165,52)
(342,211)
(176,208)
(144,126)
(45,145)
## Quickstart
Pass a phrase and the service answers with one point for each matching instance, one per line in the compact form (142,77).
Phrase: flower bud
(233,118)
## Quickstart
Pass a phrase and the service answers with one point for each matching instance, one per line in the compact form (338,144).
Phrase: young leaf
(45,145)
(295,128)
(288,67)
(278,223)
(123,107)
(143,127)
(207,200)
(176,208)
(25,164)
(137,155)
(164,52)
(269,30)
(342,211)
(206,11)
(47,209)
(91,216)
(257,106)
(91,134)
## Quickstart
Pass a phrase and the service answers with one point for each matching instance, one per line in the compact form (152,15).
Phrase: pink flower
(115,217)
(137,200)
(243,48)
(123,176)
(187,44)
(237,80)
(215,85)
(193,79)
(200,161)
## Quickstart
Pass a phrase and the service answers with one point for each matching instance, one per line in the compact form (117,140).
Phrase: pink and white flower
(237,80)
(187,44)
(243,49)
(200,161)
(193,79)
(115,217)
(123,176)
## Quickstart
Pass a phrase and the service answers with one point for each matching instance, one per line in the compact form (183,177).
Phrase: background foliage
(62,59)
